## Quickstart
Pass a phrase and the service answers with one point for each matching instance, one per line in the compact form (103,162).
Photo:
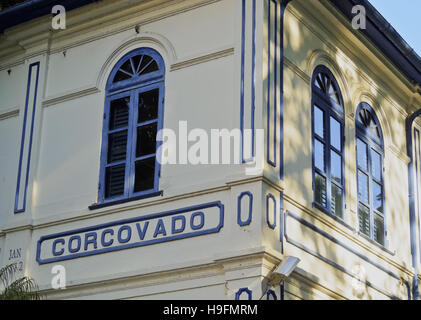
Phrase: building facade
(328,152)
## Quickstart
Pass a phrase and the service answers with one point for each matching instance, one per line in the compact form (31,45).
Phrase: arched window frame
(132,88)
(331,110)
(374,144)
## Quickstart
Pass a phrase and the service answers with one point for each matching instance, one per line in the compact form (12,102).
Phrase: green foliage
(20,289)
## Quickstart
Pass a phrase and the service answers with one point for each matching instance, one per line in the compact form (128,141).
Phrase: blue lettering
(88,241)
(79,243)
(201,216)
(107,243)
(140,231)
(129,234)
(55,252)
(174,229)
(160,229)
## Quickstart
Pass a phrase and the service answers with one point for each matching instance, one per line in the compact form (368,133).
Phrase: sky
(404,16)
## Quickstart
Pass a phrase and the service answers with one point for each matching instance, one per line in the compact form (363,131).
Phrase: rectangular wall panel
(26,140)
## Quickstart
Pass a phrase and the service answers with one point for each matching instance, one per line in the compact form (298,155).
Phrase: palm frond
(23,288)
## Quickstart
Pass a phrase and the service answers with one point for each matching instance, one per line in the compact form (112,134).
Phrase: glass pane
(362,187)
(148,105)
(336,166)
(127,67)
(337,201)
(146,140)
(136,61)
(377,197)
(144,175)
(364,219)
(362,155)
(335,134)
(319,155)
(379,229)
(117,146)
(120,76)
(320,189)
(376,165)
(119,113)
(319,127)
(148,65)
(114,181)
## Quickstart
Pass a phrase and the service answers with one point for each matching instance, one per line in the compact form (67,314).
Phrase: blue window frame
(370,166)
(328,143)
(133,116)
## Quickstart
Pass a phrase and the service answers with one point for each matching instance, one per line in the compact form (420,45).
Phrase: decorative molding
(346,247)
(202,59)
(27,134)
(247,222)
(297,70)
(359,241)
(75,94)
(243,290)
(144,237)
(10,113)
(271,197)
(349,58)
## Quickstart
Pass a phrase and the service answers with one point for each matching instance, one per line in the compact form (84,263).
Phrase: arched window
(133,116)
(328,143)
(370,155)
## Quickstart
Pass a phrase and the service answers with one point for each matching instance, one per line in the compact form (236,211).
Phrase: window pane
(364,219)
(146,140)
(376,165)
(362,155)
(114,181)
(319,155)
(337,201)
(362,187)
(320,189)
(379,229)
(336,166)
(148,105)
(148,65)
(335,134)
(377,197)
(117,143)
(319,127)
(127,67)
(144,175)
(119,113)
(120,76)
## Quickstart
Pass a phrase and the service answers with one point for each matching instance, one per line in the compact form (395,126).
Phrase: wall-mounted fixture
(283,271)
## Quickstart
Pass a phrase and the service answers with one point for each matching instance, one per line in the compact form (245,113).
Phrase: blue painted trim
(16,208)
(330,110)
(242,106)
(241,291)
(411,188)
(247,222)
(372,145)
(131,220)
(271,293)
(284,4)
(417,175)
(271,225)
(131,88)
(363,130)
(269,82)
(281,221)
(343,245)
